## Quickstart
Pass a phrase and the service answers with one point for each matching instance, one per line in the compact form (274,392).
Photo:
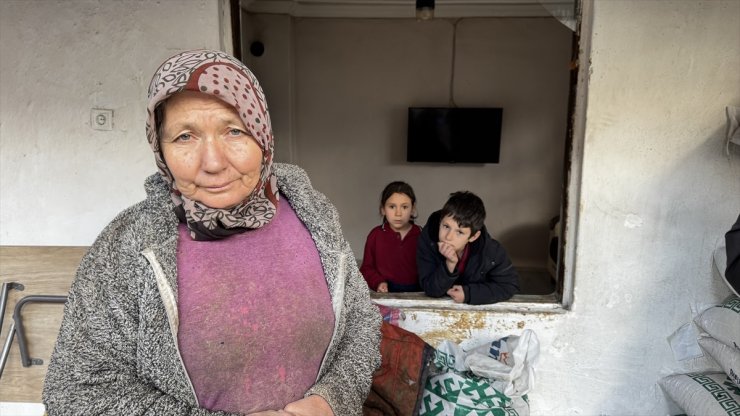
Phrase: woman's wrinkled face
(208,151)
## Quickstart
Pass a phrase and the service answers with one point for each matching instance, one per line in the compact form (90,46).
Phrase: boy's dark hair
(398,187)
(467,209)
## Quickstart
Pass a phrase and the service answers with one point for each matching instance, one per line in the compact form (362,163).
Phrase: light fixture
(424,9)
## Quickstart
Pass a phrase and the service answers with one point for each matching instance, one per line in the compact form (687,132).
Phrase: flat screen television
(454,135)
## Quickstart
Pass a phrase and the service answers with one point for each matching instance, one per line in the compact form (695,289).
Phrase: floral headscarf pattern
(221,75)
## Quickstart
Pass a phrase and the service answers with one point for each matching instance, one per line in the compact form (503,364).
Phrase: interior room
(340,85)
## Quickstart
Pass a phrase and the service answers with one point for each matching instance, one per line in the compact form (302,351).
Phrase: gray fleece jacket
(117,352)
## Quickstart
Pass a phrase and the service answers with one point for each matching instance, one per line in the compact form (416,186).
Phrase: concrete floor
(535,281)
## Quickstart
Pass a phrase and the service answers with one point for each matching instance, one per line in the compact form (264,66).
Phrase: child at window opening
(389,263)
(457,257)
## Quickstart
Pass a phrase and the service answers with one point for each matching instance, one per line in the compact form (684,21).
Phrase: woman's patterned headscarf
(222,76)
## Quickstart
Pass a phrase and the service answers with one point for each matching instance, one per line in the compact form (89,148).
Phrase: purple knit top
(255,315)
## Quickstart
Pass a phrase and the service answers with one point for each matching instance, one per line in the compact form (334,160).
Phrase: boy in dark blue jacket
(456,256)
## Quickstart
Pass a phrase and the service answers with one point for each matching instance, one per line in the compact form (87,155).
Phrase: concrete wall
(60,180)
(657,192)
(657,189)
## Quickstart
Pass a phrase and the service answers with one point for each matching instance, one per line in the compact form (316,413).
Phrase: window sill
(518,303)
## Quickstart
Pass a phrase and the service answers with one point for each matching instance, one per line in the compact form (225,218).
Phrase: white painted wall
(657,192)
(657,189)
(61,181)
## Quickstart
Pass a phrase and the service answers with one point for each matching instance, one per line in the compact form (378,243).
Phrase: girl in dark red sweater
(389,263)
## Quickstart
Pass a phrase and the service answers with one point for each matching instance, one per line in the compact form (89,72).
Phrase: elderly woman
(230,289)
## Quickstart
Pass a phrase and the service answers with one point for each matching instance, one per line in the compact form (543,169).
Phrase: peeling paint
(467,320)
(632,221)
(455,326)
(435,326)
(434,338)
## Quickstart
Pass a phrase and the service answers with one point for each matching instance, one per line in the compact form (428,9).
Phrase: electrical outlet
(101,119)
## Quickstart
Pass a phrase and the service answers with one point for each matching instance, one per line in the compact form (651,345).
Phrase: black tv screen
(454,135)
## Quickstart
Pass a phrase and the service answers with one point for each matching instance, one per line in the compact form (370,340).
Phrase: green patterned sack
(453,394)
(722,322)
(703,394)
(489,380)
(727,357)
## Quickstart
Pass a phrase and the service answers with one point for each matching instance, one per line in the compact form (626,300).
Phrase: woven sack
(703,394)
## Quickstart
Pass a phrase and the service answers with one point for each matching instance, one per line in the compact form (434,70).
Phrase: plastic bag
(683,342)
(490,379)
(509,361)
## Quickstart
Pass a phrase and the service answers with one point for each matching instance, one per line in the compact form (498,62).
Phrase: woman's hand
(383,287)
(313,405)
(272,413)
(457,293)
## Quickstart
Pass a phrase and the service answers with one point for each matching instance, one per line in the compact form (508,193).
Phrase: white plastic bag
(683,342)
(489,379)
(509,361)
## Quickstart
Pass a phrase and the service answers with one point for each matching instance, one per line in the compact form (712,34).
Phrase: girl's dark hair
(398,187)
